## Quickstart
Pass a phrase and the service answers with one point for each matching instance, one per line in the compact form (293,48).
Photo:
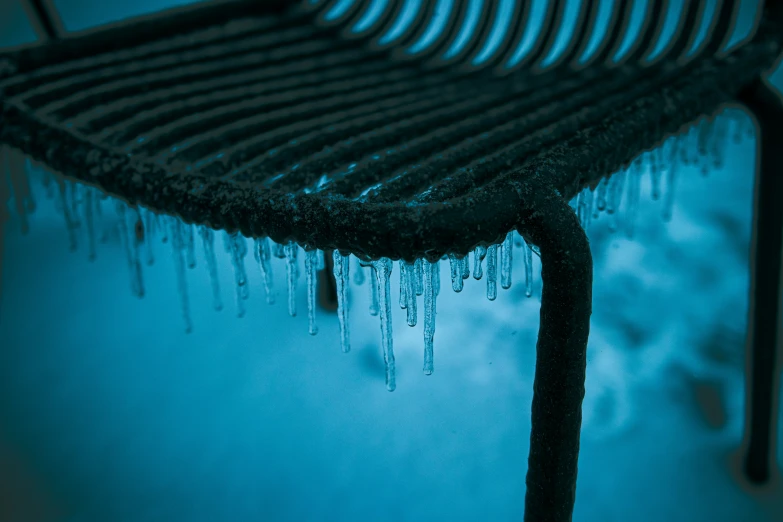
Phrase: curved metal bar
(765,323)
(561,352)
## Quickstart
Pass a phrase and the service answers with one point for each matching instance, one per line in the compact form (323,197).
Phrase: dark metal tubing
(765,323)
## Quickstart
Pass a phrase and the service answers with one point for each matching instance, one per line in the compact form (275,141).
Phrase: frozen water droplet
(311,262)
(506,254)
(341,278)
(478,257)
(492,259)
(456,266)
(290,251)
(208,242)
(429,314)
(383,269)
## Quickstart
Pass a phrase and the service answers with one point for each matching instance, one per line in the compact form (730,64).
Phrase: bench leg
(766,301)
(558,388)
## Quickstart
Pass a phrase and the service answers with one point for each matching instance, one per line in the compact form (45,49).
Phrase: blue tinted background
(108,411)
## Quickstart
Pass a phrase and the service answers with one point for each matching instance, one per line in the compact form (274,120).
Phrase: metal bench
(336,126)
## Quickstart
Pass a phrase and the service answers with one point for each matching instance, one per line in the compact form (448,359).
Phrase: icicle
(373,292)
(17,170)
(321,264)
(290,251)
(383,268)
(410,293)
(130,244)
(178,246)
(478,257)
(208,241)
(237,247)
(90,222)
(465,267)
(671,178)
(456,273)
(633,198)
(418,276)
(586,208)
(429,315)
(600,204)
(518,242)
(190,246)
(311,262)
(163,232)
(263,256)
(70,223)
(492,259)
(358,275)
(149,226)
(615,198)
(341,278)
(436,276)
(528,270)
(403,286)
(278,250)
(505,261)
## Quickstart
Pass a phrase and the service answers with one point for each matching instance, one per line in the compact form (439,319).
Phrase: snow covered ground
(108,411)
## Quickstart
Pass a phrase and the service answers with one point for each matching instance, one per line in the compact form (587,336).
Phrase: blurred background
(110,412)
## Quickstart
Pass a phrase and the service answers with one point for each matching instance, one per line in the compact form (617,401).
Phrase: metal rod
(765,323)
(561,356)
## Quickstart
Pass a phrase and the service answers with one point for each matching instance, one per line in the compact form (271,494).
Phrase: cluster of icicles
(703,144)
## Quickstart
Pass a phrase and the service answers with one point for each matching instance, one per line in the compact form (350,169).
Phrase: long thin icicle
(633,198)
(290,251)
(70,222)
(671,182)
(465,267)
(374,306)
(130,245)
(455,264)
(149,227)
(178,248)
(478,257)
(418,276)
(505,261)
(321,264)
(208,241)
(528,270)
(403,286)
(383,269)
(237,248)
(89,221)
(311,262)
(264,259)
(190,246)
(17,169)
(492,259)
(429,315)
(410,293)
(436,276)
(341,278)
